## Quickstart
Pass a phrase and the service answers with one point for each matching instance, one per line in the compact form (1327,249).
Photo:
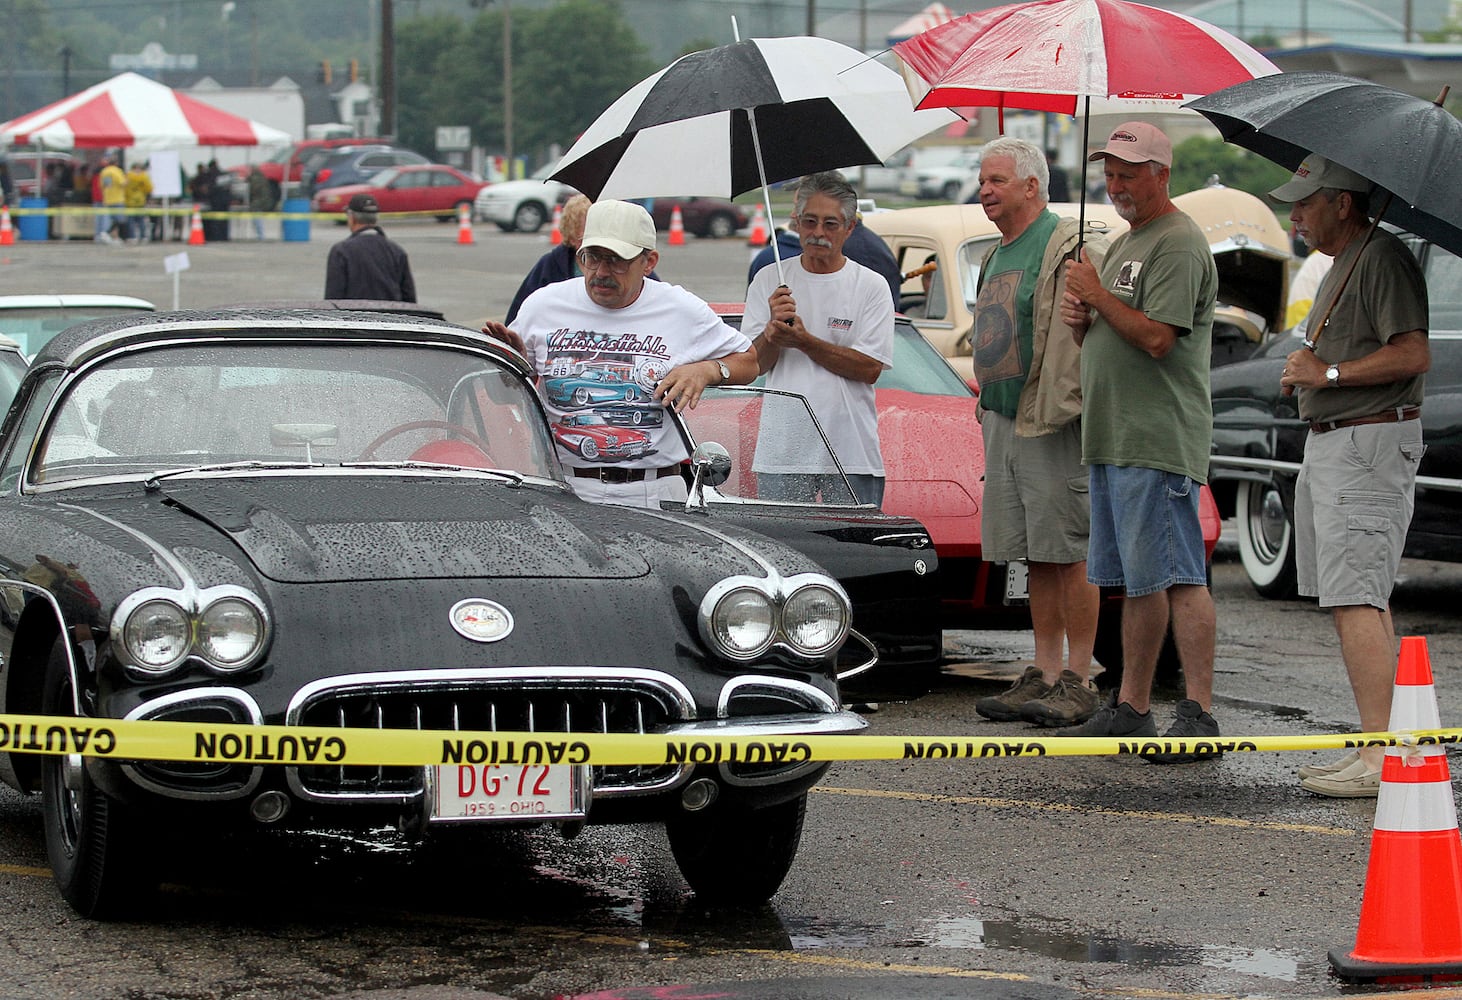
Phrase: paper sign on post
(173,263)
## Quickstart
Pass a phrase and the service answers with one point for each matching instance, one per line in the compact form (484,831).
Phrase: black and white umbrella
(728,120)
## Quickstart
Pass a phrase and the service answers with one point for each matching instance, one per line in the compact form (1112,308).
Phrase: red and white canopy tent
(130,110)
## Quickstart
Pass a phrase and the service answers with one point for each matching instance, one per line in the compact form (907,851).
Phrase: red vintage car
(433,187)
(590,436)
(934,463)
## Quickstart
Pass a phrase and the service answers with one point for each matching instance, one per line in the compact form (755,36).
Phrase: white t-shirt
(599,368)
(851,308)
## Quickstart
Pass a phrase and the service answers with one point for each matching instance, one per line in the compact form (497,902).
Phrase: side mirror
(711,465)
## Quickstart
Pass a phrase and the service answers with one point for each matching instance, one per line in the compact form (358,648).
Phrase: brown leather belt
(1394,415)
(608,474)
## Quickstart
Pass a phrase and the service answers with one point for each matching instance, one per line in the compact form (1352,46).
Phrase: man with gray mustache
(827,334)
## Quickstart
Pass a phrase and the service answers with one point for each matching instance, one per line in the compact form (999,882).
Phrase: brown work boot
(1069,701)
(1005,706)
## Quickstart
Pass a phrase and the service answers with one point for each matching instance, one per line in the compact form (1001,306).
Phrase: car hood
(333,529)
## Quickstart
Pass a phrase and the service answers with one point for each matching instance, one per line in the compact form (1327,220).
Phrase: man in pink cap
(1145,323)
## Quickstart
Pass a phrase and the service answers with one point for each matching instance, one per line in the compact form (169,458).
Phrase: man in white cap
(1359,381)
(1145,323)
(619,339)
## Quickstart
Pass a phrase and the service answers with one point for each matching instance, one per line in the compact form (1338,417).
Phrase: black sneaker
(1191,723)
(1114,719)
(1005,706)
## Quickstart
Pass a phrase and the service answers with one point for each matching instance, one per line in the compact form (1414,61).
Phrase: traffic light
(322,73)
(354,70)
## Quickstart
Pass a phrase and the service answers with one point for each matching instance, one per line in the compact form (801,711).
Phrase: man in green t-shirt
(1145,324)
(1028,365)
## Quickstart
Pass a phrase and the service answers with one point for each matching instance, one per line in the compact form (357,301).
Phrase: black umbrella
(728,120)
(1404,145)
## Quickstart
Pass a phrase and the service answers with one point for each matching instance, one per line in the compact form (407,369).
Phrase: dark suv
(354,165)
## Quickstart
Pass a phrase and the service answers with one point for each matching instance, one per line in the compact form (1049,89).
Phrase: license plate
(1017,583)
(484,792)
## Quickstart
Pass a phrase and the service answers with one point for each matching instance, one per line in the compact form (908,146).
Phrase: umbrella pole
(1081,212)
(766,193)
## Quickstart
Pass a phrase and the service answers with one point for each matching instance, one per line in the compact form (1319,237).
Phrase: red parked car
(713,217)
(434,188)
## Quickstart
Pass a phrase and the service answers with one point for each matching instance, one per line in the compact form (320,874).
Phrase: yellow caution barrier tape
(242,744)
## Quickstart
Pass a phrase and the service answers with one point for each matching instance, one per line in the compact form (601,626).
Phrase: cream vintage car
(1249,245)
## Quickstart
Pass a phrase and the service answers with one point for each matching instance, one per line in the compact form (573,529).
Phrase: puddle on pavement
(1052,942)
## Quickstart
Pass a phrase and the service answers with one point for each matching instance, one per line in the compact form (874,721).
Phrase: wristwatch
(1332,376)
(725,372)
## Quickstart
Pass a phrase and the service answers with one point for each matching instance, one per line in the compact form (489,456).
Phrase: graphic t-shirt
(599,368)
(1005,315)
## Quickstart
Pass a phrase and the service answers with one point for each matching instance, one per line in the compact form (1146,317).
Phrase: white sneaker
(1334,767)
(1357,781)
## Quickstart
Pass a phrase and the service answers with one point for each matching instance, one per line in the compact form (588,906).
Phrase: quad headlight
(155,631)
(742,618)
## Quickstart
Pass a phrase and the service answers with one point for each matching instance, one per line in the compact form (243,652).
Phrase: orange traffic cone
(464,226)
(195,228)
(1411,914)
(555,235)
(7,234)
(758,235)
(677,229)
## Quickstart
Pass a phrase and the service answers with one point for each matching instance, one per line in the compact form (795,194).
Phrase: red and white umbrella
(130,110)
(1074,57)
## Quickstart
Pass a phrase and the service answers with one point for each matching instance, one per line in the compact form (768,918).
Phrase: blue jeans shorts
(1145,532)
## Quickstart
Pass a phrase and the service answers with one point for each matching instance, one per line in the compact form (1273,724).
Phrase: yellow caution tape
(244,744)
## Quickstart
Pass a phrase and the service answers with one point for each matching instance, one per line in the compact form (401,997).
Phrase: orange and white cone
(464,226)
(1411,914)
(677,229)
(7,233)
(758,235)
(555,235)
(195,228)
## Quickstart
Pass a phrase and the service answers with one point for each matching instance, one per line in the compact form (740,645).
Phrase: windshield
(778,452)
(193,406)
(33,328)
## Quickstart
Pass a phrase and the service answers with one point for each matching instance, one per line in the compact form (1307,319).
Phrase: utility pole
(387,83)
(508,86)
(812,17)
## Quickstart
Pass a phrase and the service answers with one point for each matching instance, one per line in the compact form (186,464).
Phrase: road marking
(1166,817)
(25,870)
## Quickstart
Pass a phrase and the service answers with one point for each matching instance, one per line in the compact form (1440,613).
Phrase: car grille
(562,700)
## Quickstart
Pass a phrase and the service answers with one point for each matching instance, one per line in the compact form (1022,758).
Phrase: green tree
(450,72)
(1199,158)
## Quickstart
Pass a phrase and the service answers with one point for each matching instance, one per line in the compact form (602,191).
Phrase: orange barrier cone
(464,226)
(758,235)
(1411,914)
(7,234)
(677,229)
(555,235)
(195,228)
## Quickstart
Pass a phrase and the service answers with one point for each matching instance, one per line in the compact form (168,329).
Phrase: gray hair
(1359,200)
(1030,160)
(832,184)
(364,218)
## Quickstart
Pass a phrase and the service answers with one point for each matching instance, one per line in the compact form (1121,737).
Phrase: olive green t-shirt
(1004,341)
(1139,410)
(1385,296)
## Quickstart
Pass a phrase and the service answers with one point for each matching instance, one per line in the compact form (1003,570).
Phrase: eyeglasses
(811,222)
(591,261)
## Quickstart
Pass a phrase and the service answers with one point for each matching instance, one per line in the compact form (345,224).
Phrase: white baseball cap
(621,227)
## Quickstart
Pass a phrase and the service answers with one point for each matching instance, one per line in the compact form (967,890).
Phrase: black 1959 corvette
(338,519)
(1259,440)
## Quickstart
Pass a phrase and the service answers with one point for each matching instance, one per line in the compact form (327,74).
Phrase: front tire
(720,226)
(735,856)
(90,839)
(1262,513)
(529,217)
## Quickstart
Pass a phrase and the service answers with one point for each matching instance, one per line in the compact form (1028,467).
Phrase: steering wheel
(420,425)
